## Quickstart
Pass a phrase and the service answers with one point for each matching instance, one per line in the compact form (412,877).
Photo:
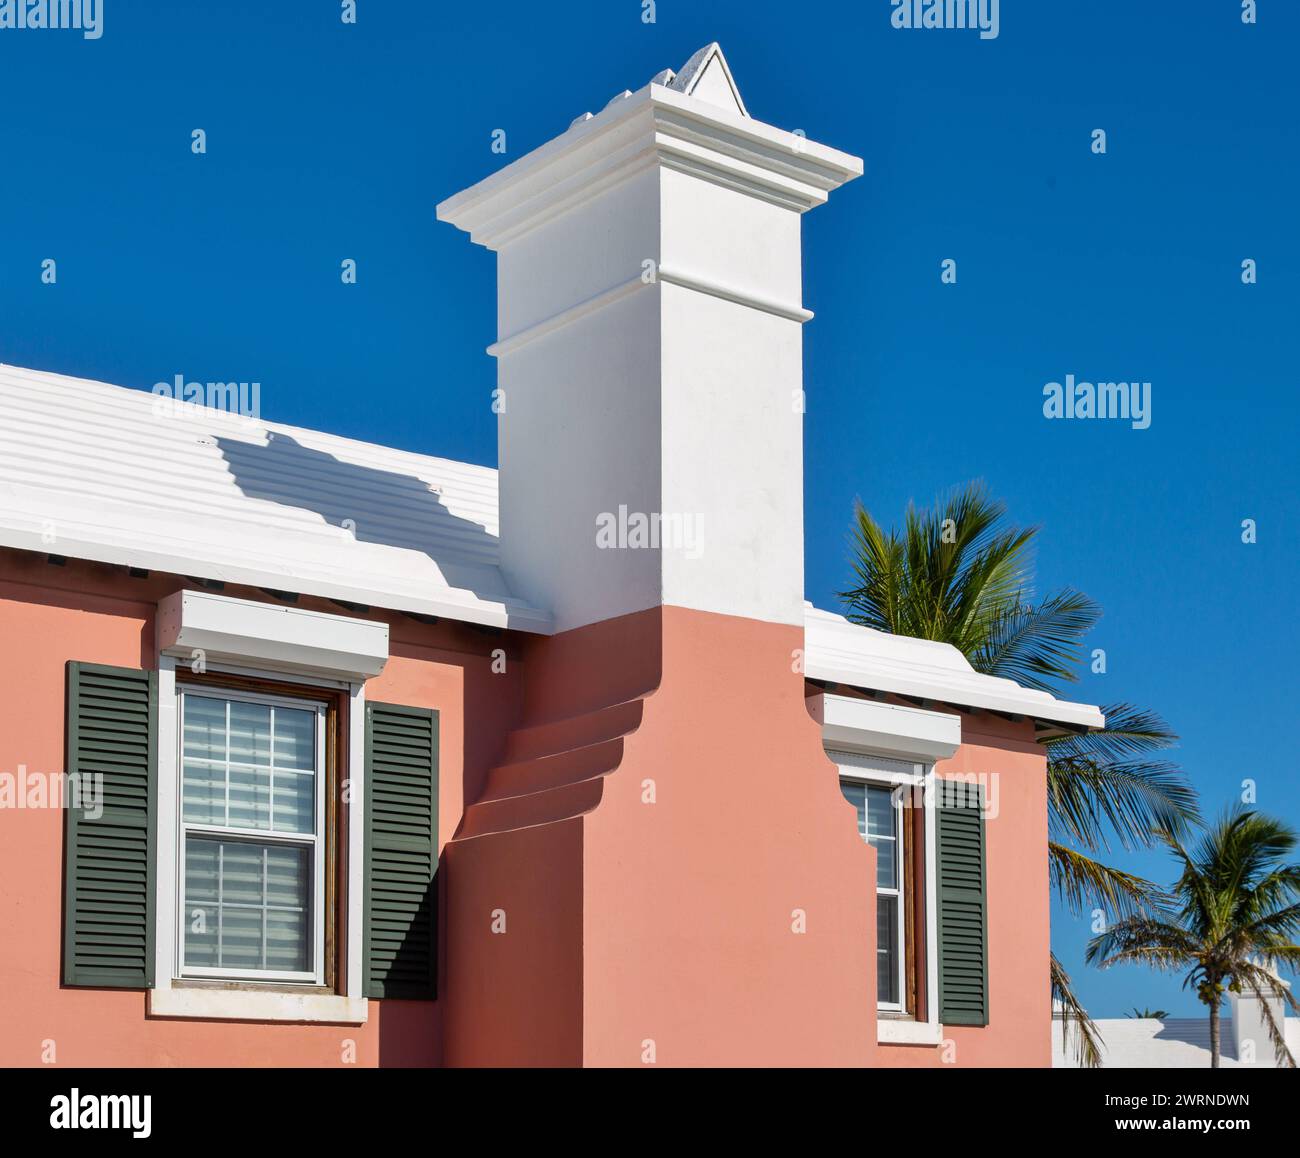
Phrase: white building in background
(1184,1042)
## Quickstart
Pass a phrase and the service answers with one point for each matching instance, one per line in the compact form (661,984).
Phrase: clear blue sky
(327,141)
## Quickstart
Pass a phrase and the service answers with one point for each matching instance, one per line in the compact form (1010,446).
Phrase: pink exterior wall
(672,922)
(1019,936)
(519,993)
(49,615)
(626,922)
(692,902)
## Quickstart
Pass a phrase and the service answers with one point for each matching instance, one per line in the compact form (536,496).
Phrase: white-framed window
(304,660)
(885,792)
(881,747)
(251,836)
(880,824)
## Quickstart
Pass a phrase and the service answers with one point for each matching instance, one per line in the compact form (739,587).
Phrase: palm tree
(1234,920)
(1145,1014)
(960,574)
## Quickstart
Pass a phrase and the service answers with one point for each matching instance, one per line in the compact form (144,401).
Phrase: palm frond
(1148,940)
(877,599)
(945,576)
(1091,801)
(1130,731)
(1037,645)
(1075,1019)
(1269,909)
(1085,883)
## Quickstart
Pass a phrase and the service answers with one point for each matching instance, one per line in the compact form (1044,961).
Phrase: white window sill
(246,1003)
(899,1031)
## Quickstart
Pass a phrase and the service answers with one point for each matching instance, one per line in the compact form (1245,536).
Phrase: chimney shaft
(1254,1045)
(667,817)
(650,354)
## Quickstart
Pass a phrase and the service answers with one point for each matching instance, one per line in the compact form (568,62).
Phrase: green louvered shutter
(963,906)
(401,922)
(108,931)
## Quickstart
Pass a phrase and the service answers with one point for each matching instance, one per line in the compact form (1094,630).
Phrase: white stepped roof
(1168,1043)
(248,502)
(264,505)
(842,652)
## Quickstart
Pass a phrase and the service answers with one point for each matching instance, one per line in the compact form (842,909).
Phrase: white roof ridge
(142,397)
(950,655)
(97,471)
(839,651)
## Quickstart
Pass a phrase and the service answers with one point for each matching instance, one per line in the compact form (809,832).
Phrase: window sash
(314,841)
(894,891)
(890,953)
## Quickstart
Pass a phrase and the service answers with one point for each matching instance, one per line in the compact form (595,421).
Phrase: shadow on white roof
(243,501)
(1164,1043)
(234,499)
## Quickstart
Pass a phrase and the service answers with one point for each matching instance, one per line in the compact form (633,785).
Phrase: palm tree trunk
(1214,1035)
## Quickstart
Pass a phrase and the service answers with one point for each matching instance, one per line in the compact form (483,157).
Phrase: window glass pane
(205,727)
(887,949)
(856,794)
(247,782)
(886,864)
(250,797)
(201,936)
(250,733)
(883,835)
(241,938)
(200,912)
(248,765)
(241,873)
(287,892)
(295,802)
(203,793)
(286,939)
(295,738)
(878,826)
(201,871)
(880,811)
(286,876)
(247,905)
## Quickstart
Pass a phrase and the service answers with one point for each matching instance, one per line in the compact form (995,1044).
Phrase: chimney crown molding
(657,126)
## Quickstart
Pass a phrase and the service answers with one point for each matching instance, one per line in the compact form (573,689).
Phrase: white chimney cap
(707,76)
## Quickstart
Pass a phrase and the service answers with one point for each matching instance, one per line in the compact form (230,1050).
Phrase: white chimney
(650,353)
(1250,1030)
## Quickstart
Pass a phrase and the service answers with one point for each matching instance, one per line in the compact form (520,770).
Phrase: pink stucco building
(383,759)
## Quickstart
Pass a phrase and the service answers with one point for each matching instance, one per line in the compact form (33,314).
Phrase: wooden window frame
(334,873)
